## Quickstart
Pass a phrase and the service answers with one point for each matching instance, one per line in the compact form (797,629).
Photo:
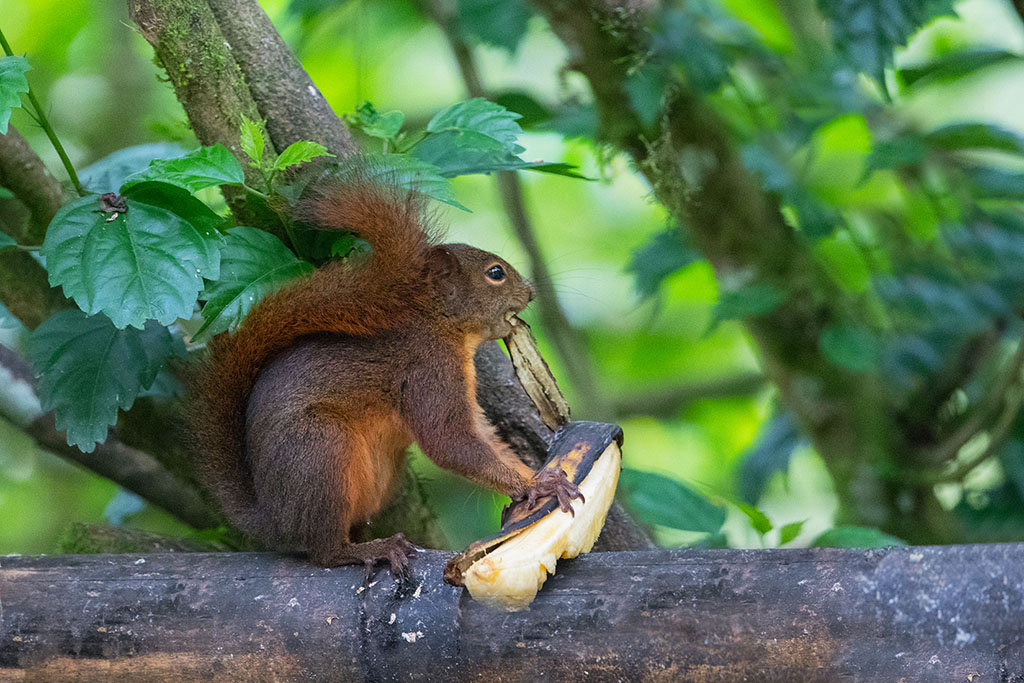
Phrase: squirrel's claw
(554,482)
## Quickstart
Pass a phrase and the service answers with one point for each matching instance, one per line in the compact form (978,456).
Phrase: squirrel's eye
(495,273)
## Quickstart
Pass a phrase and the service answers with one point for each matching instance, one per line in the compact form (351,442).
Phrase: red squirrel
(302,417)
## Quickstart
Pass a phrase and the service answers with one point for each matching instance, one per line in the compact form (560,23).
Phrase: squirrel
(301,419)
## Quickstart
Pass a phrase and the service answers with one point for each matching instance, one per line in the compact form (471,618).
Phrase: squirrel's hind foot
(395,551)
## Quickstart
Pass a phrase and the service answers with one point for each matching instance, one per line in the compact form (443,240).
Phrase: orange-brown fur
(302,417)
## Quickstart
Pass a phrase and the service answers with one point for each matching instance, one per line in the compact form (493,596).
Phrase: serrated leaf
(850,347)
(412,173)
(759,521)
(183,203)
(253,264)
(299,153)
(253,141)
(479,116)
(975,136)
(110,172)
(145,264)
(855,537)
(88,369)
(660,500)
(477,136)
(375,124)
(12,84)
(203,167)
(868,31)
(956,65)
(790,531)
(668,252)
(7,241)
(501,23)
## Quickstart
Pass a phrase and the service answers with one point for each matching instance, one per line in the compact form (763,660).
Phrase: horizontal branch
(944,613)
(132,469)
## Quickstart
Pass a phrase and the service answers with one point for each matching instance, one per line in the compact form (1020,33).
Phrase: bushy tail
(359,299)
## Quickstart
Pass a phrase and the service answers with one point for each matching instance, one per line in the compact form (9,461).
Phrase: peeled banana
(507,570)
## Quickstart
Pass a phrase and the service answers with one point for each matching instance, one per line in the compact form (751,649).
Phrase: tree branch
(293,107)
(824,614)
(670,400)
(24,174)
(136,471)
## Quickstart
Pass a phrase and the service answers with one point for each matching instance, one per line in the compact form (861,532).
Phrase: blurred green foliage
(901,164)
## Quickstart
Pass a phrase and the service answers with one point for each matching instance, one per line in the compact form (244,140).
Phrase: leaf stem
(44,123)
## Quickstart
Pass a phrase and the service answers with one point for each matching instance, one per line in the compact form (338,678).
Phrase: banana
(507,569)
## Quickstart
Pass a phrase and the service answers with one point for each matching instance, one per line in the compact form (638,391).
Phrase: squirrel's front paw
(554,482)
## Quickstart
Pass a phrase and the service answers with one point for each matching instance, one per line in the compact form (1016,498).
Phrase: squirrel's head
(479,290)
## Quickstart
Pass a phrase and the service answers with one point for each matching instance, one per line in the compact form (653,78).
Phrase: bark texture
(914,614)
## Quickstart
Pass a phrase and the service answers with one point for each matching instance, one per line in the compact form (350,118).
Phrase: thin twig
(44,123)
(568,342)
(667,401)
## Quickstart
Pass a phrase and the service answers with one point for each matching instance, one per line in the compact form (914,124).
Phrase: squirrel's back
(382,293)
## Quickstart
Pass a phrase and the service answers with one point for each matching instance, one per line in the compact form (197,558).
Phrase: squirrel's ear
(441,264)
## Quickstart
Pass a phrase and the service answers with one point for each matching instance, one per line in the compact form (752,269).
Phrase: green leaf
(412,173)
(501,23)
(203,167)
(477,136)
(668,252)
(88,369)
(850,347)
(110,172)
(997,183)
(749,300)
(868,31)
(527,106)
(299,153)
(956,65)
(645,88)
(479,116)
(145,264)
(7,241)
(472,134)
(660,500)
(12,84)
(771,453)
(905,150)
(253,264)
(253,141)
(758,520)
(790,531)
(855,537)
(678,37)
(975,136)
(375,124)
(181,202)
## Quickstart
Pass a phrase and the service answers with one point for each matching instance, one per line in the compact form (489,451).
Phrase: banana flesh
(506,570)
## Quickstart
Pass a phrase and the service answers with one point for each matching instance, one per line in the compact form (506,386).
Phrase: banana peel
(506,570)
(535,376)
